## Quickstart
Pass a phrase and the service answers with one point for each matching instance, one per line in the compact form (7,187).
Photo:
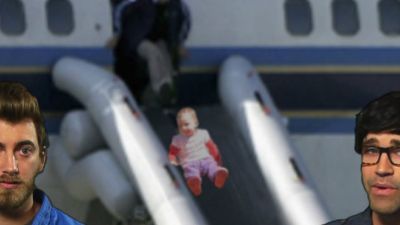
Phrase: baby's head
(187,121)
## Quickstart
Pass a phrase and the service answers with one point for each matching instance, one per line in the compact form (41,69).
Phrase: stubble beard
(384,206)
(12,199)
(389,205)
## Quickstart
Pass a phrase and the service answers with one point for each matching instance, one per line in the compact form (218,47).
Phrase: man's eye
(26,150)
(370,150)
(395,151)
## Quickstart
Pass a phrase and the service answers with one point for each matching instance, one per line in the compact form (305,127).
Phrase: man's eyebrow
(25,142)
(395,142)
(371,141)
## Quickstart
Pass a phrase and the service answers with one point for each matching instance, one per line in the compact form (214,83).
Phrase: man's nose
(384,166)
(9,164)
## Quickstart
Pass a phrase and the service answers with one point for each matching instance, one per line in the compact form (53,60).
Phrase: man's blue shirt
(49,215)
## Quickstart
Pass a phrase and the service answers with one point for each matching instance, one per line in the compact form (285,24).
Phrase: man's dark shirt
(363,218)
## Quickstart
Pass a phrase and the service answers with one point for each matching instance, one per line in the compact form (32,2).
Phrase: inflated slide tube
(247,100)
(88,178)
(80,134)
(131,138)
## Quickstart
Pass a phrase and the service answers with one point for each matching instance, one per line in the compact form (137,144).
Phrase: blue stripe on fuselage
(295,56)
(44,57)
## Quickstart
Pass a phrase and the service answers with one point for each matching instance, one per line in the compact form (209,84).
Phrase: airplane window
(298,17)
(345,17)
(389,16)
(60,19)
(12,17)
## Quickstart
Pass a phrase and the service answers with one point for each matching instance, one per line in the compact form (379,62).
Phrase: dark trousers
(137,22)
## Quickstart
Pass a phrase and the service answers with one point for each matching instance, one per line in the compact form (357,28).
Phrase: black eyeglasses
(371,155)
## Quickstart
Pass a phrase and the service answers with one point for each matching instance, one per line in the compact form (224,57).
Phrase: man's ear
(43,159)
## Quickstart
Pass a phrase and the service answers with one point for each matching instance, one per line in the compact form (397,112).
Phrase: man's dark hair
(381,114)
(17,104)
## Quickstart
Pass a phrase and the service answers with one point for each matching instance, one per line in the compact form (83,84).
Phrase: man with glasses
(377,140)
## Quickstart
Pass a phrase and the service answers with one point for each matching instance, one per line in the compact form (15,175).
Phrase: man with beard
(377,140)
(23,154)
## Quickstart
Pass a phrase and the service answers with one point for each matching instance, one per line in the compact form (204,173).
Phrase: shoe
(149,98)
(194,185)
(167,95)
(220,177)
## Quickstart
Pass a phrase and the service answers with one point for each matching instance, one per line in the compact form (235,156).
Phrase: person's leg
(192,175)
(217,174)
(137,21)
(133,73)
(160,71)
